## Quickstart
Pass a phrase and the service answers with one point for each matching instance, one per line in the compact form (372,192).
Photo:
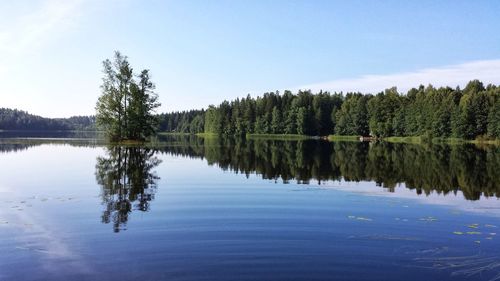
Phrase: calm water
(226,209)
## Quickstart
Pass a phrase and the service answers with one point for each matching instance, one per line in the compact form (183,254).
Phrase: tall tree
(140,111)
(125,109)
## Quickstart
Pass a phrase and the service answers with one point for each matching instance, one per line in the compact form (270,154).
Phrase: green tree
(125,109)
(291,121)
(276,121)
(466,126)
(494,120)
(140,117)
(303,121)
(382,109)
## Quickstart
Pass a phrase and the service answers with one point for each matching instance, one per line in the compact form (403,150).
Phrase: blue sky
(202,52)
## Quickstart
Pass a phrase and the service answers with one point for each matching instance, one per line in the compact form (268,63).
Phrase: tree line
(466,113)
(13,119)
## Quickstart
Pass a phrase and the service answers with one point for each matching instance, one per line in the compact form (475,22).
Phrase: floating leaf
(384,237)
(428,219)
(359,218)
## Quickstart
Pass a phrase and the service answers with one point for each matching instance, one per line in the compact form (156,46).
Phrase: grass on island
(342,138)
(410,140)
(278,136)
(452,141)
(262,136)
(419,140)
(404,139)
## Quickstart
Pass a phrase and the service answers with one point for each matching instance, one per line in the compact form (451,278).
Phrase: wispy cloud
(31,30)
(452,75)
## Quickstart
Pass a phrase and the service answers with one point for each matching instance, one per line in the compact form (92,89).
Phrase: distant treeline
(466,113)
(192,121)
(13,119)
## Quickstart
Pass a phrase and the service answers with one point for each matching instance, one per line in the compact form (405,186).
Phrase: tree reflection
(427,168)
(128,182)
(126,173)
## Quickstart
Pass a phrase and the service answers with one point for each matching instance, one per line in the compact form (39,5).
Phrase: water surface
(228,209)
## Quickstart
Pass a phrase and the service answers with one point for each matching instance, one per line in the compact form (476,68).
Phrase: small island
(125,110)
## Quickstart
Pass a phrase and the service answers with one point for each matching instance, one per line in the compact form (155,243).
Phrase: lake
(189,208)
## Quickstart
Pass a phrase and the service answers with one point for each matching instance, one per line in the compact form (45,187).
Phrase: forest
(469,113)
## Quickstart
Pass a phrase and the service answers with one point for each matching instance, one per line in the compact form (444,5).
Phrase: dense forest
(13,119)
(466,113)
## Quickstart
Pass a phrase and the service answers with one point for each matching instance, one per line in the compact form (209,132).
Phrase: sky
(203,52)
